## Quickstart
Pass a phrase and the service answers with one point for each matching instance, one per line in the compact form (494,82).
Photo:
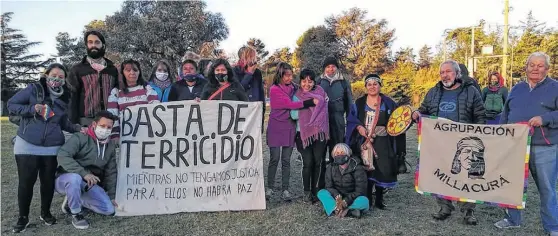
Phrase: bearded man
(91,81)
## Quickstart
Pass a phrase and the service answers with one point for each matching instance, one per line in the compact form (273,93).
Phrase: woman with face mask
(345,184)
(190,84)
(312,134)
(135,91)
(281,129)
(368,138)
(42,108)
(161,80)
(222,84)
(494,97)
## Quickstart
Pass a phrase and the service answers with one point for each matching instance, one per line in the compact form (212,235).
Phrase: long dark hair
(166,64)
(211,73)
(282,67)
(140,77)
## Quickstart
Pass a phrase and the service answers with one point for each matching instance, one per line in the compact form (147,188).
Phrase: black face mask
(340,160)
(96,54)
(221,77)
(190,78)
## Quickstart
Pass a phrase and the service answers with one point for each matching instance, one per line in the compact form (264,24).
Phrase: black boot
(370,193)
(470,218)
(441,215)
(379,201)
(402,164)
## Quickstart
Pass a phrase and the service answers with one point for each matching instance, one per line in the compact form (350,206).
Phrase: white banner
(189,157)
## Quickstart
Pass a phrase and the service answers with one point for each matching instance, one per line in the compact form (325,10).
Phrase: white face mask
(162,76)
(102,133)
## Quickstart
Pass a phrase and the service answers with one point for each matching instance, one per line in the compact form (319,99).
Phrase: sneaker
(65,208)
(505,224)
(21,225)
(79,221)
(268,193)
(286,195)
(48,218)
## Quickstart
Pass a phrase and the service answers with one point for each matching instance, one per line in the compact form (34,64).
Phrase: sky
(279,23)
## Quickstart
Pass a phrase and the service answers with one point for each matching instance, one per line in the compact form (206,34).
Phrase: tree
(530,41)
(365,43)
(550,46)
(425,59)
(313,46)
(259,46)
(152,30)
(18,65)
(405,55)
(70,50)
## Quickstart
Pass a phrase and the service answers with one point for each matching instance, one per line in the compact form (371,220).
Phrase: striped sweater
(118,101)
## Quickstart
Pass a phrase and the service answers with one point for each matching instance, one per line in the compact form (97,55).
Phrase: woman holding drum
(367,135)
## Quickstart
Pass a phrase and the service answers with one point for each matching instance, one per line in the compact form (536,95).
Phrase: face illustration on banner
(469,157)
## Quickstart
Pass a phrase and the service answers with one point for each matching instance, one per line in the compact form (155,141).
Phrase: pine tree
(17,64)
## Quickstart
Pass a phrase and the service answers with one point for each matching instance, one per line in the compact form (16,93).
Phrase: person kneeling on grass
(345,184)
(87,164)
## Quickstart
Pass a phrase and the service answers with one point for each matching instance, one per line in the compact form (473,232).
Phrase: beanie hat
(373,77)
(330,61)
(96,33)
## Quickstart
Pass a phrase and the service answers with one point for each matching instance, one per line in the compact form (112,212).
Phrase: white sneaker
(286,195)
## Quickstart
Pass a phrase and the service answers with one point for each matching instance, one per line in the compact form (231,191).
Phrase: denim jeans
(360,203)
(544,169)
(95,198)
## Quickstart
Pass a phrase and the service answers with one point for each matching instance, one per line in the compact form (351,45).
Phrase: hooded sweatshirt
(84,154)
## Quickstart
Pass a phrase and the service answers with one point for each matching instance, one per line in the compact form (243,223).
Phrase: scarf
(91,133)
(335,77)
(56,92)
(97,64)
(162,84)
(314,121)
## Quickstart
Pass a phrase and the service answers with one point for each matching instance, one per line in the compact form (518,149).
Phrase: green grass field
(408,212)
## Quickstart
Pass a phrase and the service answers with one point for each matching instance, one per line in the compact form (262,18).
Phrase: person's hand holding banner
(536,121)
(416,115)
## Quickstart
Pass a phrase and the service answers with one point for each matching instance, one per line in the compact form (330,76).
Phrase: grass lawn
(408,212)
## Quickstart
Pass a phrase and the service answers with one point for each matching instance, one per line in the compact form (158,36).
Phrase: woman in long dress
(368,138)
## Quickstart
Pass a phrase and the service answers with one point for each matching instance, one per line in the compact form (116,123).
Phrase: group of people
(349,159)
(534,101)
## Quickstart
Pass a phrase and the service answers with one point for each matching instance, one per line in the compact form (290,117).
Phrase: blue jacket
(162,94)
(524,104)
(252,83)
(33,128)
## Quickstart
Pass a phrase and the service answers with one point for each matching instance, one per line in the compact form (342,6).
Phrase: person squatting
(349,160)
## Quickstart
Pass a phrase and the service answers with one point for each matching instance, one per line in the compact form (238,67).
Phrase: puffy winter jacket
(470,107)
(179,90)
(33,128)
(350,184)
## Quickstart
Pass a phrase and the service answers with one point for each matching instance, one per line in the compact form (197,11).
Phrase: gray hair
(343,148)
(539,54)
(455,66)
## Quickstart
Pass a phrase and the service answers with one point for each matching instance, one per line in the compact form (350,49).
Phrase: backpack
(494,102)
(15,119)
